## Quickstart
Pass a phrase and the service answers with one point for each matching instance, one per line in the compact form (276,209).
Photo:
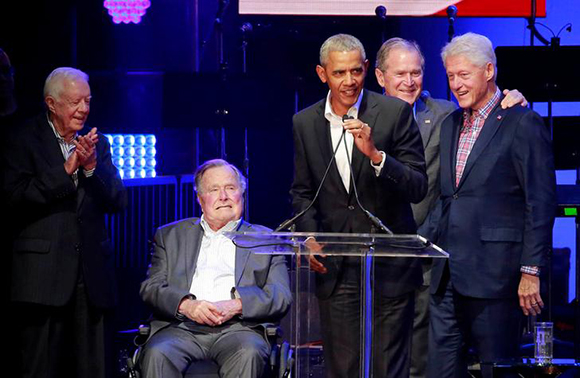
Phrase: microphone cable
(289,222)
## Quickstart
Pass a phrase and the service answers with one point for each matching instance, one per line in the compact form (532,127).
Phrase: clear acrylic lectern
(368,250)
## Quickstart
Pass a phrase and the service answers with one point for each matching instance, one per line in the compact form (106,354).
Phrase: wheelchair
(280,363)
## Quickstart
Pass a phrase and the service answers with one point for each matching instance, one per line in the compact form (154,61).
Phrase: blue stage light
(134,154)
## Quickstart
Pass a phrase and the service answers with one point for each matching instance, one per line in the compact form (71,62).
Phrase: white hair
(54,82)
(477,48)
(215,163)
(340,42)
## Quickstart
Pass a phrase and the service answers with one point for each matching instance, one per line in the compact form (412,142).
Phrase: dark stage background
(163,76)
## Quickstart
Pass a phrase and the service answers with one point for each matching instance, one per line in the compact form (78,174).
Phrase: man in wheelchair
(210,299)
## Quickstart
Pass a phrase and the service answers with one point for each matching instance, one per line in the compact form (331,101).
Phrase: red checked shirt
(472,124)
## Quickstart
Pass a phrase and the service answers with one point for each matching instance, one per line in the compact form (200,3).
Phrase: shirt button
(351,207)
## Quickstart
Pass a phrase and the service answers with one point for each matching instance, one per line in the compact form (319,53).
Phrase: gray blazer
(261,280)
(430,113)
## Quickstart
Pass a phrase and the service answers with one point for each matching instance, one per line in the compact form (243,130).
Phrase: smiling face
(344,72)
(220,197)
(472,85)
(403,75)
(70,109)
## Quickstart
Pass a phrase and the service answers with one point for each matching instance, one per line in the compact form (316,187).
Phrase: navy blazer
(59,229)
(501,214)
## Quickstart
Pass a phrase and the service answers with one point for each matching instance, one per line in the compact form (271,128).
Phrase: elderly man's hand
(202,312)
(529,294)
(86,149)
(229,308)
(363,140)
(512,98)
(71,164)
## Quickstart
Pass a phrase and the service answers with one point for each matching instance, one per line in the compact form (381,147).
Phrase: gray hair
(340,42)
(397,43)
(477,48)
(54,82)
(202,169)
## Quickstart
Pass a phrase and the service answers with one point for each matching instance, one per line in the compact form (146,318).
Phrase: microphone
(381,12)
(451,13)
(289,222)
(246,28)
(373,218)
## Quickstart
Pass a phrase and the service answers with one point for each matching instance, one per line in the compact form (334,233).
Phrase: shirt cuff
(379,167)
(179,316)
(532,270)
(89,173)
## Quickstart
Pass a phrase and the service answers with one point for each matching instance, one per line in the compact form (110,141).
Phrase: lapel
(425,120)
(50,150)
(322,132)
(367,114)
(47,142)
(192,243)
(242,254)
(448,146)
(490,127)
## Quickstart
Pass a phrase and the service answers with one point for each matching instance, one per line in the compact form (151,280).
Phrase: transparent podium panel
(344,306)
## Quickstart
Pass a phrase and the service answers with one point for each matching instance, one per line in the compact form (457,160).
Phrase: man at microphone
(379,166)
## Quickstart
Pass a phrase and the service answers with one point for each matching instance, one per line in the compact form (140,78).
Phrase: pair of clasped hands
(85,153)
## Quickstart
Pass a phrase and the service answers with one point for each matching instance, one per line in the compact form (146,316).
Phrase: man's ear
(380,77)
(489,71)
(50,101)
(321,73)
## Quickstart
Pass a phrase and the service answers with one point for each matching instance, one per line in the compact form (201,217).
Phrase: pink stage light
(127,11)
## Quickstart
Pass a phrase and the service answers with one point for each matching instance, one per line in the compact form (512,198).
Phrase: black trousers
(57,342)
(341,328)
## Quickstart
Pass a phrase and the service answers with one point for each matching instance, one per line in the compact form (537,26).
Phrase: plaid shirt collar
(483,112)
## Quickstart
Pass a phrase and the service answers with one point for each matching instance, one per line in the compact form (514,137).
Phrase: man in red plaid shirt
(497,211)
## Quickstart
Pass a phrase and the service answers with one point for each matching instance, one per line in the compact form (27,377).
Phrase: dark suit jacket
(401,181)
(58,228)
(430,113)
(261,280)
(500,216)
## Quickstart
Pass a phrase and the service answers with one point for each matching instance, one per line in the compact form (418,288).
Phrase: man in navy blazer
(59,184)
(498,206)
(210,299)
(399,69)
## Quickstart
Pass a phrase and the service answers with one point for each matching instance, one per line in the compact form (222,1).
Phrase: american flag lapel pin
(498,117)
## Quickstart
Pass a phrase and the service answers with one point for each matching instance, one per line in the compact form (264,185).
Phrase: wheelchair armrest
(142,335)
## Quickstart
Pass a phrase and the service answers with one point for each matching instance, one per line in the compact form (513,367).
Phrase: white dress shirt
(214,275)
(335,133)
